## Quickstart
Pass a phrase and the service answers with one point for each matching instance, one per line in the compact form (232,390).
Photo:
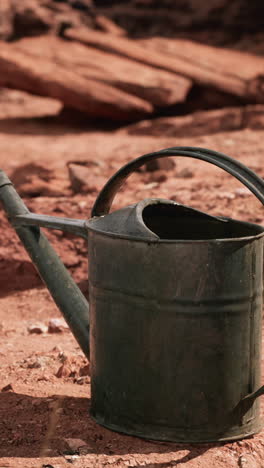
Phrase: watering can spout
(63,289)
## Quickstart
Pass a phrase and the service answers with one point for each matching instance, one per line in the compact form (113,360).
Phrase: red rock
(83,180)
(7,388)
(185,173)
(158,176)
(200,63)
(165,164)
(84,370)
(44,77)
(75,444)
(158,87)
(64,371)
(201,122)
(82,380)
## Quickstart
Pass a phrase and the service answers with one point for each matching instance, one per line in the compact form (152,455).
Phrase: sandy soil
(43,407)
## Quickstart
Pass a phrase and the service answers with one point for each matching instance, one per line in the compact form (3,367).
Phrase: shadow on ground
(30,427)
(55,125)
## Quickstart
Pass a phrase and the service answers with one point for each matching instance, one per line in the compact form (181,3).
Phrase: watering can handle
(254,183)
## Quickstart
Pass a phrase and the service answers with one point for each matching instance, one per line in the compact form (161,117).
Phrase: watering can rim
(157,240)
(139,207)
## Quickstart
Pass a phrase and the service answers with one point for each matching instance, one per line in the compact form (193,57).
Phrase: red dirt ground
(42,410)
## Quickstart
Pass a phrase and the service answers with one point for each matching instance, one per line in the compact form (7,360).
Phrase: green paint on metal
(175,308)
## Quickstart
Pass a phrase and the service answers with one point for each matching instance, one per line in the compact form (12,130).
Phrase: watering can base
(181,436)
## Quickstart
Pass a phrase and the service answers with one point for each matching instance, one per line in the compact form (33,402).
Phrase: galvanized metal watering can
(175,308)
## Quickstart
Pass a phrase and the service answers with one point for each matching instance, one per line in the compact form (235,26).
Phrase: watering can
(175,308)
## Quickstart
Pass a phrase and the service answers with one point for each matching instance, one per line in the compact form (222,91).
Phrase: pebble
(63,371)
(82,380)
(185,173)
(57,349)
(7,388)
(160,164)
(35,364)
(37,328)
(83,180)
(158,176)
(62,356)
(84,370)
(74,444)
(242,192)
(57,325)
(227,195)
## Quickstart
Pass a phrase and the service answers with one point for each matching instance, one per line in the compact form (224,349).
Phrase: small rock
(86,162)
(165,164)
(57,348)
(71,458)
(64,371)
(57,325)
(227,195)
(158,176)
(44,378)
(74,445)
(151,185)
(34,364)
(62,356)
(82,380)
(7,388)
(82,204)
(185,173)
(84,370)
(37,328)
(83,180)
(36,402)
(242,192)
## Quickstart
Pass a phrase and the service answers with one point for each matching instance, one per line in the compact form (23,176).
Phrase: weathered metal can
(176,334)
(176,319)
(175,308)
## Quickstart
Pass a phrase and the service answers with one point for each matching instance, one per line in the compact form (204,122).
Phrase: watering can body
(175,311)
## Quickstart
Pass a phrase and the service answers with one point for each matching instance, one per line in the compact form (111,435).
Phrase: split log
(160,88)
(234,72)
(201,123)
(44,77)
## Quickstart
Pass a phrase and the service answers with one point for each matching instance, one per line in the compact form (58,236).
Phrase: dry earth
(43,408)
